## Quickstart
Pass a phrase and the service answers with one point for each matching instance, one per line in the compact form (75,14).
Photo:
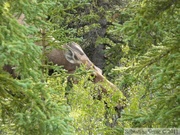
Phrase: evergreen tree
(29,105)
(150,63)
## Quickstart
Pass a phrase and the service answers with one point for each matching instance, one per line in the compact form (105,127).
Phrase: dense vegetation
(137,46)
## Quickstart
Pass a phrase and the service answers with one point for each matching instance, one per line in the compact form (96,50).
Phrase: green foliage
(150,73)
(28,105)
(141,40)
(90,114)
(30,108)
(62,15)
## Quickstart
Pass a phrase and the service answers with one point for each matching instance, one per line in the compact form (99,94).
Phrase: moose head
(71,57)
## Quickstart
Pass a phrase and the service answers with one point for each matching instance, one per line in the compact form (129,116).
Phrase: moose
(70,57)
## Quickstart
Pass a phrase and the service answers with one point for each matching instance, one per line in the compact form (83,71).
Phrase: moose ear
(71,57)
